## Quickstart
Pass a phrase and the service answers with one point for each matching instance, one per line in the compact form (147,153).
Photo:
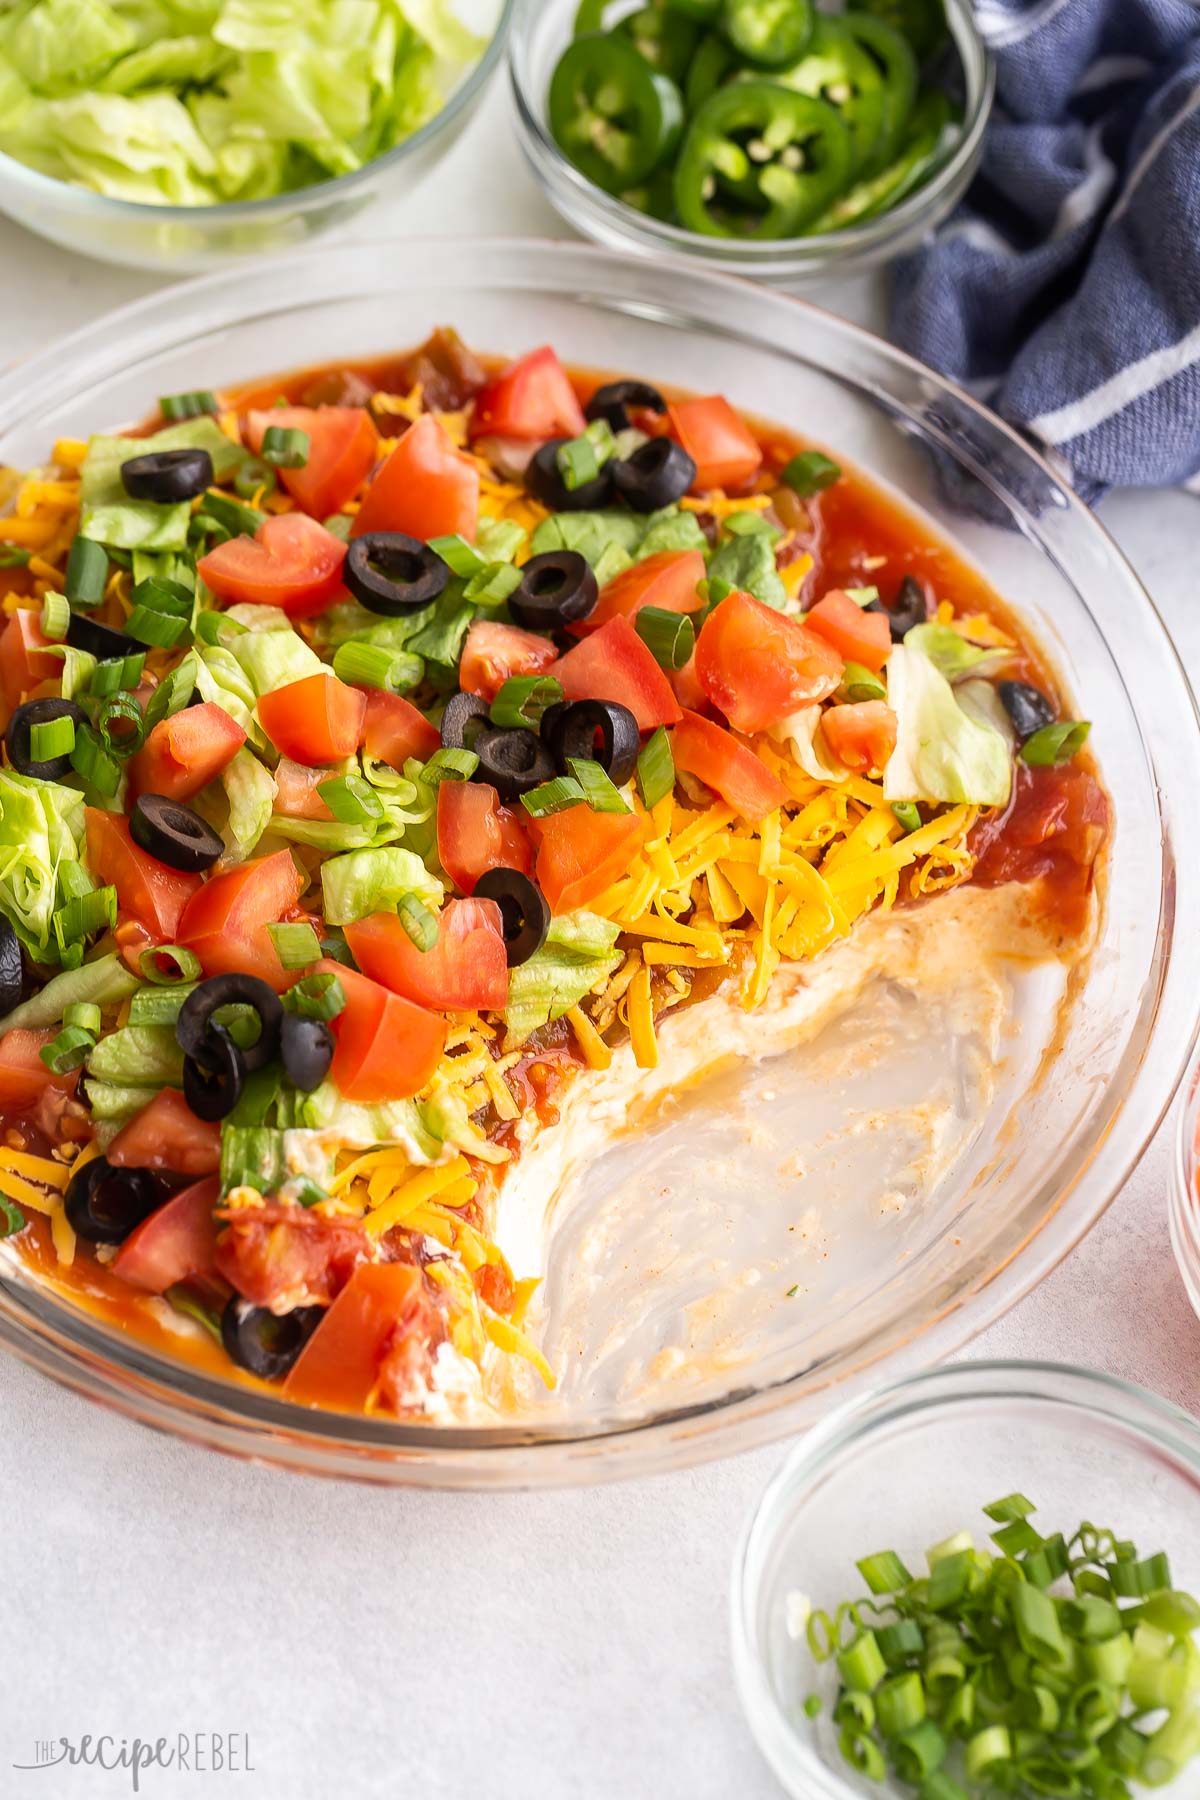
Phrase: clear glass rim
(1184,1221)
(772,255)
(69,1345)
(1160,1425)
(19,174)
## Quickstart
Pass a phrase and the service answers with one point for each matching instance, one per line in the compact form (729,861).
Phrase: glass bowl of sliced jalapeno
(770,136)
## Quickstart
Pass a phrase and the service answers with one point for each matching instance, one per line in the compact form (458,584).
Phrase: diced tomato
(387,1048)
(342,447)
(475,833)
(858,636)
(494,653)
(296,795)
(375,1342)
(863,735)
(25,659)
(757,665)
(718,440)
(466,969)
(291,562)
(425,488)
(532,399)
(283,1256)
(24,1077)
(448,371)
(714,755)
(666,581)
(168,1135)
(147,890)
(614,664)
(176,1242)
(317,719)
(185,752)
(394,730)
(581,853)
(686,683)
(226,922)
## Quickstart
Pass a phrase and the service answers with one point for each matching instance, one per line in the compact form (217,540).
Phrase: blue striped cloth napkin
(1065,292)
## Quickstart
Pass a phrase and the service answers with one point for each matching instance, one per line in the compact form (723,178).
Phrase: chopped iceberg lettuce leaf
(356,1127)
(250,790)
(113,1104)
(138,1056)
(747,562)
(588,532)
(671,529)
(274,657)
(981,702)
(221,680)
(332,835)
(942,754)
(41,830)
(801,732)
(261,1157)
(951,654)
(111,517)
(578,952)
(104,982)
(368,881)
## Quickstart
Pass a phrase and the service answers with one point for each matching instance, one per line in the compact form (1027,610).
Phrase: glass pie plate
(894,1294)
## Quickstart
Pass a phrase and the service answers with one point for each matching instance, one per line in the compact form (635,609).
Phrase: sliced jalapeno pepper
(922,22)
(922,149)
(614,116)
(706,11)
(667,40)
(655,196)
(713,61)
(768,32)
(589,17)
(893,57)
(795,149)
(835,68)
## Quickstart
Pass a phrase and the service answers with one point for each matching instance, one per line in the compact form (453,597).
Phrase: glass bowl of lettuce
(187,133)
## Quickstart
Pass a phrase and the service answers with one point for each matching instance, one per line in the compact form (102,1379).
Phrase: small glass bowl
(1185,1190)
(541,29)
(906,1467)
(176,239)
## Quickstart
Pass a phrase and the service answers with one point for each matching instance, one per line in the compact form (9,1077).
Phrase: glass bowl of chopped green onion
(979,1581)
(179,146)
(685,126)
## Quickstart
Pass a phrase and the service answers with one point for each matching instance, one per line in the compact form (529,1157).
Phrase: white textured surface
(551,1646)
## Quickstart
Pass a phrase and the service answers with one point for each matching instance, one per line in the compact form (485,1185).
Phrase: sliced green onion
(883,1573)
(908,813)
(581,459)
(121,710)
(296,945)
(751,524)
(863,1754)
(916,1754)
(87,573)
(188,406)
(809,472)
(860,683)
(553,797)
(85,1014)
(90,759)
(714,590)
(1138,1580)
(12,556)
(255,477)
(856,1709)
(373,665)
(812,1706)
(417,920)
(351,800)
(656,768)
(161,630)
(169,965)
(1034,1615)
(173,691)
(601,794)
(117,672)
(523,699)
(862,1667)
(338,525)
(336,949)
(159,1005)
(53,737)
(1055,744)
(986,1749)
(12,1219)
(319,996)
(229,514)
(1016,1538)
(493,584)
(1169,1611)
(1013,1506)
(69,1050)
(900,1642)
(1044,1566)
(940,1786)
(900,1703)
(285,448)
(670,637)
(1172,1746)
(56,616)
(460,557)
(159,594)
(861,596)
(446,764)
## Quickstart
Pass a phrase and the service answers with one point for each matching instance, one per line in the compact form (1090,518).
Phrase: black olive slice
(306,1046)
(657,474)
(167,476)
(194,1028)
(213,1086)
(613,400)
(460,720)
(1026,706)
(513,762)
(391,573)
(557,588)
(12,969)
(523,911)
(103,1204)
(267,1343)
(598,731)
(908,609)
(99,640)
(17,739)
(544,480)
(174,834)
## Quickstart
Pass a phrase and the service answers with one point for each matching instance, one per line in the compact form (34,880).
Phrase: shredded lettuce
(221,680)
(111,517)
(801,732)
(578,952)
(261,1157)
(671,529)
(368,881)
(138,1056)
(747,561)
(113,1104)
(361,1127)
(331,835)
(610,540)
(274,656)
(41,829)
(951,654)
(250,790)
(104,982)
(942,753)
